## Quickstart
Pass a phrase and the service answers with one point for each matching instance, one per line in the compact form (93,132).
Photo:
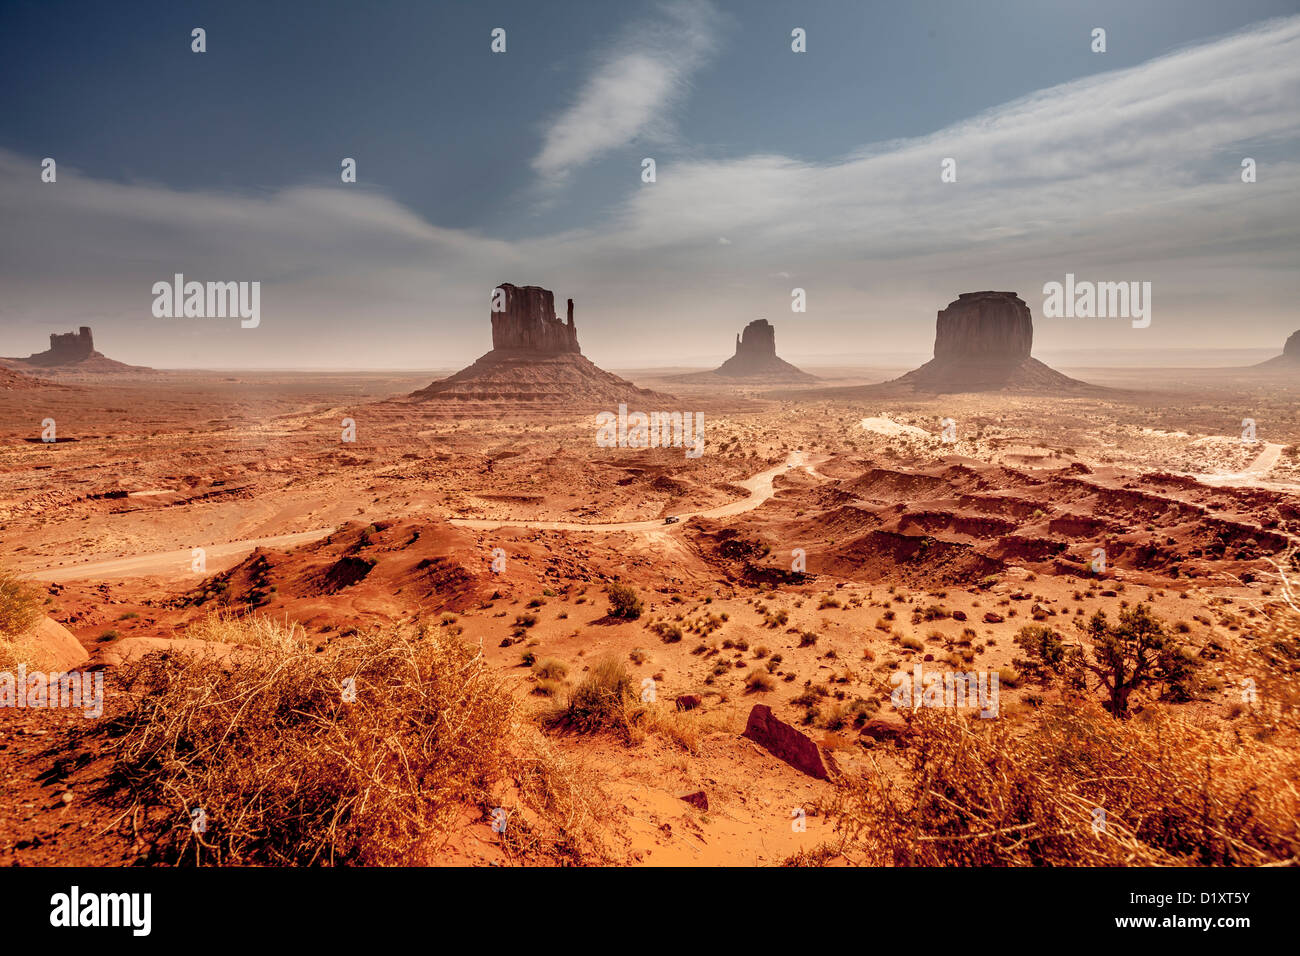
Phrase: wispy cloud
(1128,175)
(631,89)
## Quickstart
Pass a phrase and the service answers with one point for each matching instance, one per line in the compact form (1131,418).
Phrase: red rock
(528,322)
(785,742)
(72,351)
(698,799)
(755,359)
(687,702)
(535,361)
(992,617)
(885,730)
(982,342)
(959,615)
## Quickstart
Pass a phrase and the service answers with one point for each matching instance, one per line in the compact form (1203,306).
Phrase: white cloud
(1130,175)
(631,89)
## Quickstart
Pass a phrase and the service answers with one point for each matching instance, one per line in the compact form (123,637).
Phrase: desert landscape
(673,434)
(682,661)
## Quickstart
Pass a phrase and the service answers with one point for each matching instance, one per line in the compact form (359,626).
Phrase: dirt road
(218,557)
(759,486)
(171,563)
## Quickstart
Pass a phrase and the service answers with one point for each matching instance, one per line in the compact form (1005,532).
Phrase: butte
(535,362)
(755,361)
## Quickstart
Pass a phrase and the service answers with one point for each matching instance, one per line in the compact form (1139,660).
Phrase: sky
(775,170)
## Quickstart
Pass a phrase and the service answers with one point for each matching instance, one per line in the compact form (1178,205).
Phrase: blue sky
(775,170)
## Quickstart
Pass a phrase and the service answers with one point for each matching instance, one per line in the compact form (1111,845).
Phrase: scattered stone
(886,730)
(993,617)
(785,742)
(699,799)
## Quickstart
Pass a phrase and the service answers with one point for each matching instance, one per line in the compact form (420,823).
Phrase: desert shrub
(288,773)
(602,700)
(668,632)
(255,630)
(20,609)
(20,606)
(758,681)
(623,602)
(978,793)
(551,669)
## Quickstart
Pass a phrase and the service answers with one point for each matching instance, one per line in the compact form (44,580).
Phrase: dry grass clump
(257,630)
(20,609)
(608,700)
(290,769)
(1174,793)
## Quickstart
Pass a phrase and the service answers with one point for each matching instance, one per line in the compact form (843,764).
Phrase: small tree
(623,602)
(1134,651)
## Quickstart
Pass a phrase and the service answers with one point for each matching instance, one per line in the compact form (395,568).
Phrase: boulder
(51,647)
(687,702)
(699,799)
(885,730)
(785,742)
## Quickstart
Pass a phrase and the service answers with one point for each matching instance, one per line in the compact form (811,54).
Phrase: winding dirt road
(219,556)
(759,486)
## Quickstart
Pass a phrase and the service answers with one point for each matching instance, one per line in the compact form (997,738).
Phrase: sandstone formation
(984,327)
(528,322)
(71,352)
(1290,357)
(982,343)
(66,348)
(755,360)
(783,741)
(535,361)
(50,647)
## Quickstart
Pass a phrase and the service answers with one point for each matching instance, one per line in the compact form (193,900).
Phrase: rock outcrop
(1290,357)
(535,362)
(984,327)
(783,741)
(66,348)
(71,352)
(527,322)
(755,360)
(982,343)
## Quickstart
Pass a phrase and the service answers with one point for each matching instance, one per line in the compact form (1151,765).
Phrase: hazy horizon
(775,170)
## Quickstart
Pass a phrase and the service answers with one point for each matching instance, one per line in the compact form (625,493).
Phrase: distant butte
(535,362)
(755,361)
(1290,357)
(71,352)
(982,343)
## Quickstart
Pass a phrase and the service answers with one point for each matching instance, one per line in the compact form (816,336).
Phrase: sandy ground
(915,550)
